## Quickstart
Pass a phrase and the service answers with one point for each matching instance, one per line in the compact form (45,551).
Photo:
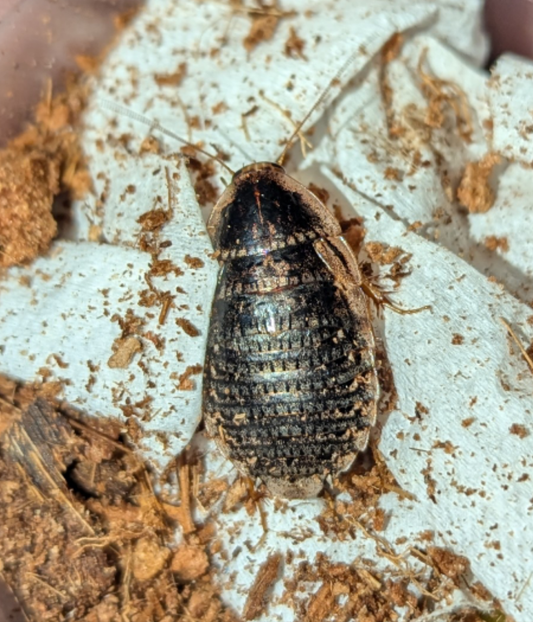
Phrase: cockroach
(290,386)
(290,382)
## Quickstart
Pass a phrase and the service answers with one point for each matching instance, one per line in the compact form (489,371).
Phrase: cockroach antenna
(333,82)
(524,352)
(154,125)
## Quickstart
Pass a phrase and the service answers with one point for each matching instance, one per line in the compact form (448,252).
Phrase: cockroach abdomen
(290,385)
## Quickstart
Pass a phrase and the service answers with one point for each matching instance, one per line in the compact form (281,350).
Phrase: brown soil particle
(189,563)
(184,381)
(262,28)
(383,254)
(321,603)
(150,145)
(172,79)
(154,219)
(450,564)
(187,327)
(294,46)
(520,430)
(494,243)
(393,173)
(193,262)
(124,351)
(392,48)
(474,191)
(149,559)
(264,581)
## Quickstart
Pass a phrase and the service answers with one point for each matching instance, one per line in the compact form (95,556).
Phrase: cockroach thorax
(265,208)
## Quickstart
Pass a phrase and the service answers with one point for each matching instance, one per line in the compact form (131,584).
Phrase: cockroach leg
(381,299)
(256,498)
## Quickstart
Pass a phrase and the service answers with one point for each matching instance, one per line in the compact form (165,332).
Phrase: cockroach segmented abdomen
(290,385)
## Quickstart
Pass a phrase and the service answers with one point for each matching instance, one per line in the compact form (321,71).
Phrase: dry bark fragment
(256,602)
(123,352)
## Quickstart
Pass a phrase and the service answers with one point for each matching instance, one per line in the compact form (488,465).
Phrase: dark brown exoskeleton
(290,384)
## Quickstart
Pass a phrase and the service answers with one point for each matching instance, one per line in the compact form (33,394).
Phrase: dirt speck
(150,145)
(519,430)
(154,219)
(494,243)
(383,254)
(294,46)
(184,381)
(172,79)
(262,28)
(193,262)
(393,174)
(187,327)
(124,351)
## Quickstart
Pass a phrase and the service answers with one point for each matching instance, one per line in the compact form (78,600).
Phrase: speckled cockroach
(290,382)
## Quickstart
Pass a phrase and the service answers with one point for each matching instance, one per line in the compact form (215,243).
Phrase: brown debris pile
(358,591)
(151,223)
(366,481)
(363,594)
(474,191)
(202,173)
(444,97)
(39,164)
(391,50)
(82,534)
(393,256)
(264,21)
(447,111)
